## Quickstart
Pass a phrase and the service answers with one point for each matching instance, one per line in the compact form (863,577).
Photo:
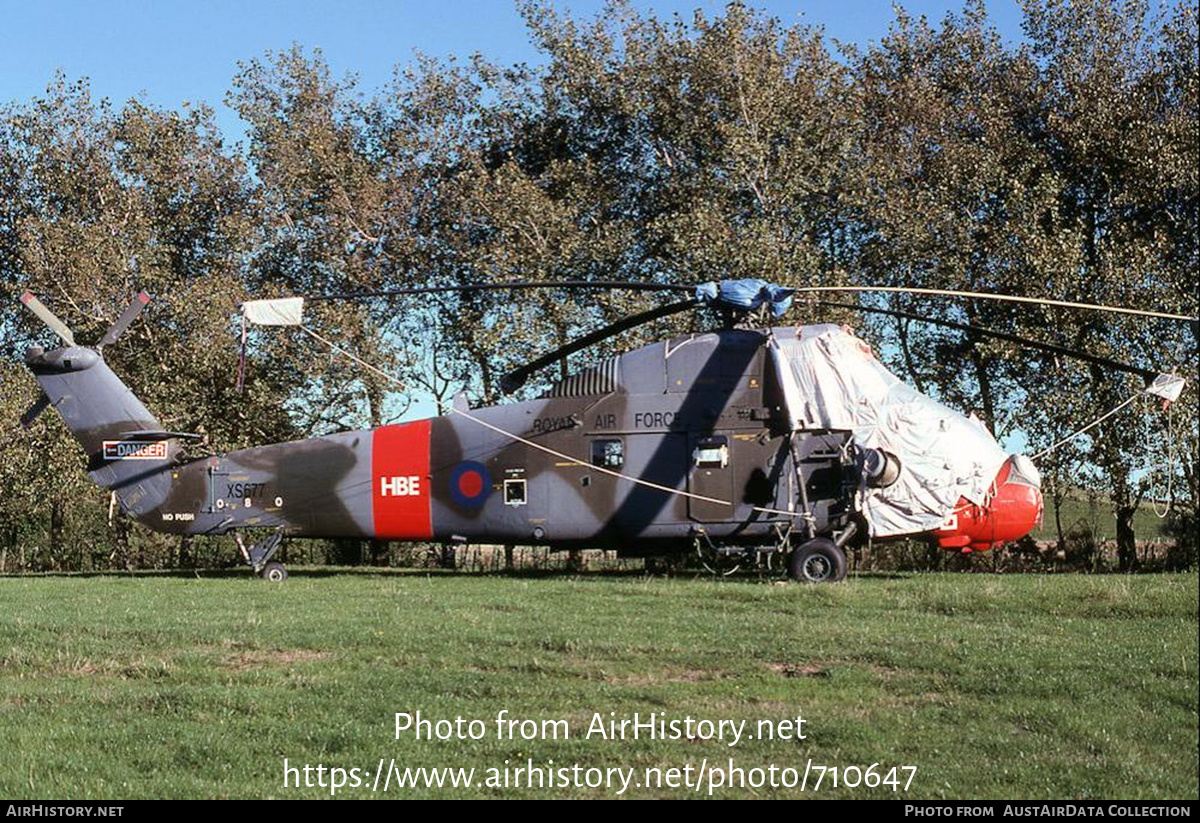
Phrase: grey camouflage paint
(665,399)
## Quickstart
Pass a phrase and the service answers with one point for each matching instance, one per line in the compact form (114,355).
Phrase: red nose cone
(1013,510)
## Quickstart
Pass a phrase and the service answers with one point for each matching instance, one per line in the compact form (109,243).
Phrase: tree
(107,203)
(1114,128)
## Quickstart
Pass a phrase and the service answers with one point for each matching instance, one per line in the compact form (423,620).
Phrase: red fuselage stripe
(400,484)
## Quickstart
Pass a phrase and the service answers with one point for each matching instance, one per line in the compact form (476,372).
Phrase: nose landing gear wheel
(817,561)
(274,572)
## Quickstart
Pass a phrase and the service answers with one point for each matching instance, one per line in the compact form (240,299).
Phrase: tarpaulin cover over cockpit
(830,379)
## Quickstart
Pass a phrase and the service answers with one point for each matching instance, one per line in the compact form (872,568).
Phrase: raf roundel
(470,484)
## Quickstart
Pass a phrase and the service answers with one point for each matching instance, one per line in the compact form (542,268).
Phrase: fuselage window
(608,454)
(514,492)
(711,453)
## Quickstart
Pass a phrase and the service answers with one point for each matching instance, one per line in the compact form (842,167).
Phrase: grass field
(991,686)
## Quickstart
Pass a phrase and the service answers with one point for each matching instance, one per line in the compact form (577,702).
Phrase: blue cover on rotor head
(746,294)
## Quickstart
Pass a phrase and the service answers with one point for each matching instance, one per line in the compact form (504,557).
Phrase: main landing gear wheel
(274,572)
(818,561)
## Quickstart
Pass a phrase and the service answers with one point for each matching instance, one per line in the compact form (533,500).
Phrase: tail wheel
(274,572)
(818,561)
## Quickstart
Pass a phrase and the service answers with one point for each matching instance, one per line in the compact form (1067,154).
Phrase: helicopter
(753,443)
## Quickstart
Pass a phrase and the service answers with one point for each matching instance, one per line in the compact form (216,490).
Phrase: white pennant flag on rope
(284,311)
(1166,386)
(289,311)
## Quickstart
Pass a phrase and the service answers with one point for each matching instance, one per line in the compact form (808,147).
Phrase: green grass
(992,686)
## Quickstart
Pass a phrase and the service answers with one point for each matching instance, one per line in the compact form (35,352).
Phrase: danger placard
(134,450)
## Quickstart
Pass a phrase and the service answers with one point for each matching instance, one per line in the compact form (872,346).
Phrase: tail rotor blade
(127,317)
(48,317)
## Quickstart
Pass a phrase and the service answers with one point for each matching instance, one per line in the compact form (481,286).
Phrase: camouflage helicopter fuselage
(642,453)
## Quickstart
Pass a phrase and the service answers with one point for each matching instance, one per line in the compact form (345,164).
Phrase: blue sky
(171,51)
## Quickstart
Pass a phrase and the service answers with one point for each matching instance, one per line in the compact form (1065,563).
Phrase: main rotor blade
(48,317)
(1146,374)
(127,317)
(516,378)
(518,286)
(1007,298)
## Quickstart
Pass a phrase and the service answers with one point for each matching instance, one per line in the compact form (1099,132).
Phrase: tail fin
(114,428)
(127,450)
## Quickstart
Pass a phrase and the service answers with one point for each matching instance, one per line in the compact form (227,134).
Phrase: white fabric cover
(1166,386)
(285,311)
(830,379)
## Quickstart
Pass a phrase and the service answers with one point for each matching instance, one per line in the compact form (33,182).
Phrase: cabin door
(711,478)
